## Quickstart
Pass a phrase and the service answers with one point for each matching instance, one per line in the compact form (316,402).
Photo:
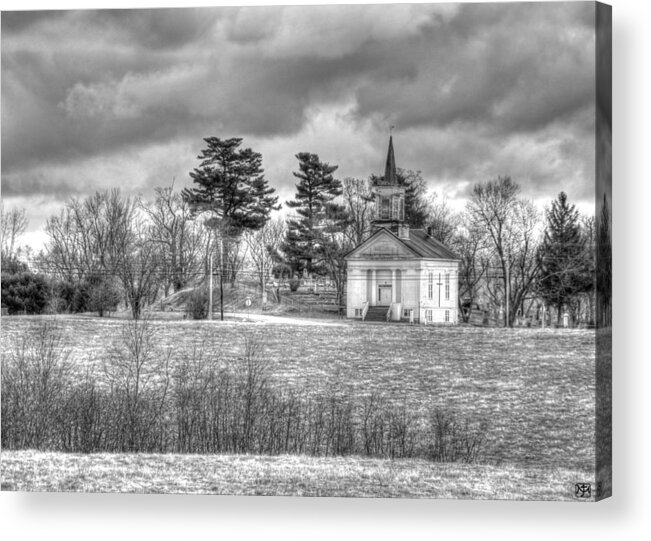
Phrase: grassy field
(535,389)
(280,476)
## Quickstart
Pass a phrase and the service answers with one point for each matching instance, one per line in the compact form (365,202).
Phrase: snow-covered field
(535,389)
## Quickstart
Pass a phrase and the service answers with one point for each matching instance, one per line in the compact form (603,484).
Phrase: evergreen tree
(562,255)
(417,204)
(24,292)
(313,203)
(230,184)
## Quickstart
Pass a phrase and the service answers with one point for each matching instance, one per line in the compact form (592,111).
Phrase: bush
(12,265)
(64,296)
(294,282)
(104,295)
(196,306)
(137,371)
(204,403)
(96,293)
(453,440)
(36,377)
(24,292)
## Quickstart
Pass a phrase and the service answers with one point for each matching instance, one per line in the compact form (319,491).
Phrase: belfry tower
(389,198)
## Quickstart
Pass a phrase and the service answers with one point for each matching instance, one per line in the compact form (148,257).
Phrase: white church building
(398,273)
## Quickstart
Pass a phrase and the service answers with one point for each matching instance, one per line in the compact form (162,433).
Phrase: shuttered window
(395,210)
(385,208)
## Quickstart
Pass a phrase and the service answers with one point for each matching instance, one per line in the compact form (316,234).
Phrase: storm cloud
(94,99)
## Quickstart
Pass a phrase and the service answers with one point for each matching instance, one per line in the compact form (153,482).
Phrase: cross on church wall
(439,283)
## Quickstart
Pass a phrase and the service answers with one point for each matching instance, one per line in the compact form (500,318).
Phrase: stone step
(377,313)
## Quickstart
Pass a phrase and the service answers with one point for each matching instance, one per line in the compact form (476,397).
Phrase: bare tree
(511,226)
(525,266)
(235,252)
(139,269)
(89,237)
(442,222)
(333,245)
(99,239)
(470,245)
(179,238)
(138,373)
(358,201)
(13,225)
(64,249)
(263,244)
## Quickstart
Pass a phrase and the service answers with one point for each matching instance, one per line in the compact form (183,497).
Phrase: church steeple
(389,197)
(390,177)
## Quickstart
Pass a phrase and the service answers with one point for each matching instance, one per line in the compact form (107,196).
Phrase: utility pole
(221,277)
(507,288)
(264,295)
(210,290)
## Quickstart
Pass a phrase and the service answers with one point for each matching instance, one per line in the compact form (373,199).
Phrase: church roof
(390,178)
(419,243)
(424,245)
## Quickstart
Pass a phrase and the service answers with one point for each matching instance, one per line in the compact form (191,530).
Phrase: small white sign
(247,301)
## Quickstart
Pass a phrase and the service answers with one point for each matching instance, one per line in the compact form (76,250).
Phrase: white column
(373,287)
(393,286)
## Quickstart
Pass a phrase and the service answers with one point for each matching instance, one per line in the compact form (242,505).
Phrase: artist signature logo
(582,490)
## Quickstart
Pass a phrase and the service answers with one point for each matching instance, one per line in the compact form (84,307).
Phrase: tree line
(109,248)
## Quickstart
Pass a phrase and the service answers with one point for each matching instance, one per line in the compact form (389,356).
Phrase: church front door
(384,296)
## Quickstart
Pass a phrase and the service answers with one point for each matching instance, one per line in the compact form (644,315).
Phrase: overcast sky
(100,99)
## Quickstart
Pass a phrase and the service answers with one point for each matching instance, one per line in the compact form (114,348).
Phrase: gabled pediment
(382,244)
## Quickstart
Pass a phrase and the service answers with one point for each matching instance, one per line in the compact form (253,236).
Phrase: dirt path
(264,318)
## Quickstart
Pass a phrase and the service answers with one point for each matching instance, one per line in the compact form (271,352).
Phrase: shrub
(196,307)
(454,440)
(96,293)
(63,295)
(206,403)
(137,372)
(12,265)
(24,292)
(294,282)
(36,376)
(104,295)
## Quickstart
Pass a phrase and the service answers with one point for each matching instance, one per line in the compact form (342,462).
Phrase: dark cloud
(17,21)
(157,28)
(475,90)
(505,66)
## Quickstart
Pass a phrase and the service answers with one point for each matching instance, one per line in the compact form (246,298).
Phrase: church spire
(389,197)
(390,177)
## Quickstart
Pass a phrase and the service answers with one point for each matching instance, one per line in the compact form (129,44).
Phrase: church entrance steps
(377,313)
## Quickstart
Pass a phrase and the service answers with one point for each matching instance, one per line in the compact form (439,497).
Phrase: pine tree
(562,255)
(313,203)
(417,204)
(230,184)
